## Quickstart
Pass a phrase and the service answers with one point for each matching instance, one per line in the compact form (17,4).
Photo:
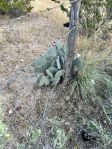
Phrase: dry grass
(25,38)
(2,37)
(24,104)
(56,14)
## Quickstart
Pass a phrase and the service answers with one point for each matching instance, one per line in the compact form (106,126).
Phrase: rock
(15,12)
(10,112)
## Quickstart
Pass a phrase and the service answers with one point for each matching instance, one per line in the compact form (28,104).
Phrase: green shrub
(15,6)
(93,14)
(4,6)
(92,89)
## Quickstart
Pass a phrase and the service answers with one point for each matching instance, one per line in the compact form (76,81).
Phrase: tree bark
(71,43)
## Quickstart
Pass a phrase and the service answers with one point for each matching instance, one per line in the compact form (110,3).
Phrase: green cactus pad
(59,73)
(49,73)
(58,45)
(40,75)
(53,70)
(58,63)
(62,60)
(53,63)
(44,81)
(77,62)
(40,64)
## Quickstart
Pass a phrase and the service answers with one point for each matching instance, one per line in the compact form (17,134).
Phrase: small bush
(93,88)
(15,8)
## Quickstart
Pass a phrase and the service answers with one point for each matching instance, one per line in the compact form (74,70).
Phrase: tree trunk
(71,43)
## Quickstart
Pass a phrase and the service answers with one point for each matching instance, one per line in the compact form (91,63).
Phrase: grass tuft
(93,88)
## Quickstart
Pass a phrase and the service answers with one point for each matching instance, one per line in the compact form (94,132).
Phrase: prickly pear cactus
(50,65)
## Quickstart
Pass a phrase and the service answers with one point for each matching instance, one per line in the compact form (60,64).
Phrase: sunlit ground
(55,14)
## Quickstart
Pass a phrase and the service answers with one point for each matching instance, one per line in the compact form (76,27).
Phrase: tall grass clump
(92,90)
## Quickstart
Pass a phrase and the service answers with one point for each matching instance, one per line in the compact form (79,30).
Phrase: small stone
(16,67)
(67,98)
(10,111)
(92,81)
(22,60)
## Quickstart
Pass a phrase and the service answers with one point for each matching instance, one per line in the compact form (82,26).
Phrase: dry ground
(55,13)
(21,41)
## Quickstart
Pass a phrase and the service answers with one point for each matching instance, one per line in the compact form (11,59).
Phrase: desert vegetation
(56,82)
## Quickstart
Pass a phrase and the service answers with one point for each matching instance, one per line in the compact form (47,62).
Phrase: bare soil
(24,40)
(21,41)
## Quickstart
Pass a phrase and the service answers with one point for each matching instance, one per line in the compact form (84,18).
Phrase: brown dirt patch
(25,38)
